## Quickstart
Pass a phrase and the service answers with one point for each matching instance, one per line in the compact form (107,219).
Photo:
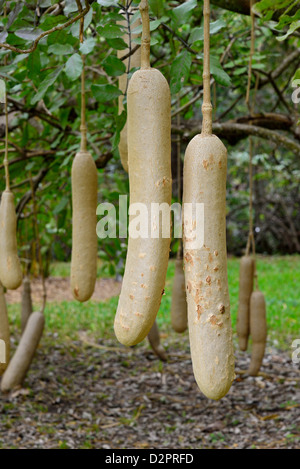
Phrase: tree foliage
(44,107)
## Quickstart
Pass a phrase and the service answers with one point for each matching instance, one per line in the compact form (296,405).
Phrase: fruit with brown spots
(204,185)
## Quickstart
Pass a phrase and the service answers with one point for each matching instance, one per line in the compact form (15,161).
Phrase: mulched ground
(86,394)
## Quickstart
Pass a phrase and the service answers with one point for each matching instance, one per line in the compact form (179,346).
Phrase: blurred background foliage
(43,83)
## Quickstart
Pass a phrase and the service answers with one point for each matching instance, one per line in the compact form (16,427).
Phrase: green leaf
(8,77)
(34,65)
(28,34)
(153,26)
(120,122)
(111,31)
(197,34)
(3,36)
(71,6)
(108,3)
(297,75)
(216,26)
(114,66)
(61,205)
(60,49)
(87,46)
(87,21)
(117,43)
(180,71)
(49,22)
(61,37)
(46,83)
(13,15)
(181,13)
(45,3)
(73,67)
(103,93)
(157,7)
(293,27)
(218,72)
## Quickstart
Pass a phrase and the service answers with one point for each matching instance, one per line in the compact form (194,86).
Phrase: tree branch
(45,33)
(234,132)
(27,196)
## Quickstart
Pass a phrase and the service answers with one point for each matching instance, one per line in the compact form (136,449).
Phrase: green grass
(62,269)
(279,279)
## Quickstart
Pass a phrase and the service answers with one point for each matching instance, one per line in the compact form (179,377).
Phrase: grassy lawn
(279,279)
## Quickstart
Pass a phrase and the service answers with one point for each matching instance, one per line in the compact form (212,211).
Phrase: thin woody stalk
(83,127)
(145,45)
(207,106)
(5,162)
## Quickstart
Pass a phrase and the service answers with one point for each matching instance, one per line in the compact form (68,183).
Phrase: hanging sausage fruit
(18,366)
(204,183)
(179,304)
(84,205)
(10,266)
(149,160)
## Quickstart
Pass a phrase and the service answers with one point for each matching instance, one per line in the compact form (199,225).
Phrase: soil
(96,393)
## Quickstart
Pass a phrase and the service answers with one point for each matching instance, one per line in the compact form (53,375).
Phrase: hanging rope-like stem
(207,105)
(145,44)
(251,238)
(252,50)
(83,127)
(5,161)
(38,244)
(178,143)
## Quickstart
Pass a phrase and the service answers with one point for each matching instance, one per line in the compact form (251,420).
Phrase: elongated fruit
(179,304)
(133,61)
(210,332)
(258,331)
(4,333)
(84,236)
(149,157)
(245,290)
(21,361)
(154,341)
(26,303)
(10,267)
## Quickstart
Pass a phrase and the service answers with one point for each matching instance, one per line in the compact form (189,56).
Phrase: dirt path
(58,289)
